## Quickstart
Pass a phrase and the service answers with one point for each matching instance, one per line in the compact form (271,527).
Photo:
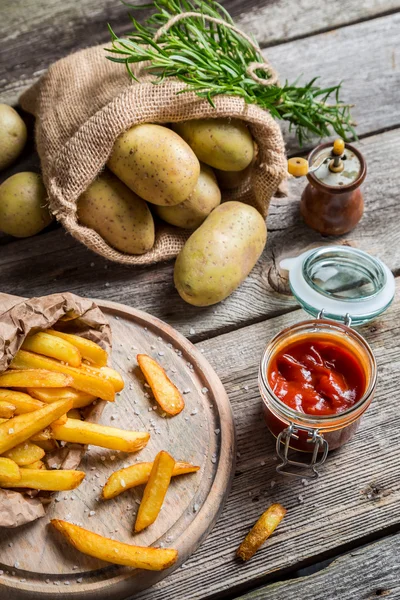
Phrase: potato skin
(13,135)
(23,205)
(155,163)
(224,144)
(117,214)
(191,213)
(220,254)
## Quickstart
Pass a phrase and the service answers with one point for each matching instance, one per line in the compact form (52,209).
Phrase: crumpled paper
(20,317)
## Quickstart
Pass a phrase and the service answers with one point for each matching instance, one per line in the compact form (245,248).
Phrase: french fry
(108,374)
(43,436)
(48,395)
(165,392)
(89,350)
(261,531)
(155,490)
(34,377)
(82,432)
(23,402)
(138,474)
(61,420)
(138,557)
(9,471)
(25,453)
(52,481)
(80,379)
(6,409)
(21,428)
(53,347)
(36,465)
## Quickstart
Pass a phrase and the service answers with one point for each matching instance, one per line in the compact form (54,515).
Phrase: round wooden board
(37,563)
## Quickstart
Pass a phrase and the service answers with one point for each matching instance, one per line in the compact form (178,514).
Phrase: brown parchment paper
(18,318)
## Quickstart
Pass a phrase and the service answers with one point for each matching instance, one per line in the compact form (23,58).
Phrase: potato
(220,254)
(191,213)
(155,163)
(23,208)
(13,135)
(117,214)
(224,144)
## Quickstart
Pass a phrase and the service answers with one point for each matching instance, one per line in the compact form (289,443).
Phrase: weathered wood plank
(55,262)
(369,572)
(357,495)
(37,32)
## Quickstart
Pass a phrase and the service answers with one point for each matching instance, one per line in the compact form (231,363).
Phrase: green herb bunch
(212,59)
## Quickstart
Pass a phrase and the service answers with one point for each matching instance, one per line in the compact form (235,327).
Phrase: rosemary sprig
(211,59)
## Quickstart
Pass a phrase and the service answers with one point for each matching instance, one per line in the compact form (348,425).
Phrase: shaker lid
(351,172)
(342,281)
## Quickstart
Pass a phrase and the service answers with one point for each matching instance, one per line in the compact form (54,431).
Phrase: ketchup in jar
(318,377)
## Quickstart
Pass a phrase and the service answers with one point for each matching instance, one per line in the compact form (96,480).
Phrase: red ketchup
(317,376)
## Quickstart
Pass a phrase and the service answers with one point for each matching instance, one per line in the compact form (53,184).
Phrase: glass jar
(354,287)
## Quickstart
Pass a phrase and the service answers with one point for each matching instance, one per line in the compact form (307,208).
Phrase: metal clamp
(346,319)
(313,437)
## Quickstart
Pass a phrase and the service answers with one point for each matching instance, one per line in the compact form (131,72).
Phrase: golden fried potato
(23,402)
(21,428)
(39,464)
(108,374)
(89,350)
(34,377)
(49,395)
(51,481)
(138,474)
(9,472)
(25,453)
(165,392)
(82,432)
(155,490)
(6,409)
(138,557)
(53,347)
(261,531)
(79,379)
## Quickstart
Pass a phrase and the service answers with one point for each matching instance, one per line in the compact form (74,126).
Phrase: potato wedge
(155,490)
(23,402)
(165,392)
(7,409)
(21,428)
(51,481)
(261,531)
(48,395)
(53,347)
(34,377)
(25,453)
(108,374)
(39,464)
(9,471)
(80,380)
(138,557)
(138,474)
(82,432)
(89,350)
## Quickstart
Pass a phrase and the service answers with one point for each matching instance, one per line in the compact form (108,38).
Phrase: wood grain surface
(203,434)
(355,499)
(368,573)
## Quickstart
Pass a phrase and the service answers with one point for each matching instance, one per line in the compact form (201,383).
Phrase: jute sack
(84,102)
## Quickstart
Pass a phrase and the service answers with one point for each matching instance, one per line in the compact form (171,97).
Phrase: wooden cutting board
(37,563)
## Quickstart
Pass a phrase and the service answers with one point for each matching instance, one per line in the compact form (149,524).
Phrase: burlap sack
(85,101)
(18,318)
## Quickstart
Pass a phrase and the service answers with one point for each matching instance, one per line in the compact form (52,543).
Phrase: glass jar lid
(340,281)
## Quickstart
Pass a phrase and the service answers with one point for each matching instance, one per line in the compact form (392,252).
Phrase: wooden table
(353,510)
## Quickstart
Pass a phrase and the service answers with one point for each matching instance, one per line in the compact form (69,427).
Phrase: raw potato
(224,144)
(220,254)
(138,557)
(13,135)
(23,205)
(191,213)
(117,214)
(155,163)
(229,180)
